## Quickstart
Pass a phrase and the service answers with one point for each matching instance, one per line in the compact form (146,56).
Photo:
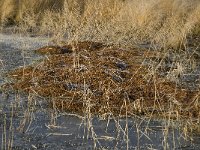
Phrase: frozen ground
(39,127)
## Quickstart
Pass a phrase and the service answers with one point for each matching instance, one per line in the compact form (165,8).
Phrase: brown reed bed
(104,79)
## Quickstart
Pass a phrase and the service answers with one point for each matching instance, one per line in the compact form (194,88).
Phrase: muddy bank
(39,127)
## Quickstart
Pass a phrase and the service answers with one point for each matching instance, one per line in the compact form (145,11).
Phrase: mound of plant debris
(101,79)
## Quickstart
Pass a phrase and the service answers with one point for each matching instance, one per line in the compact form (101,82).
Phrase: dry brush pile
(102,79)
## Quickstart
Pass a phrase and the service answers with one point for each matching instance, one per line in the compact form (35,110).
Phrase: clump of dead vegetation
(105,79)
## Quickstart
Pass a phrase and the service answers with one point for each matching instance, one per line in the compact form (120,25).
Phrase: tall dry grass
(165,23)
(13,11)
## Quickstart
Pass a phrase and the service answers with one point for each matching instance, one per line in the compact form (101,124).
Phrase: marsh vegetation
(110,60)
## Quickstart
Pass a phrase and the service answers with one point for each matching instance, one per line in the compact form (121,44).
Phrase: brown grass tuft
(105,76)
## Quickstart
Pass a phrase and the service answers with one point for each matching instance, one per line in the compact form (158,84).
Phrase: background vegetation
(165,23)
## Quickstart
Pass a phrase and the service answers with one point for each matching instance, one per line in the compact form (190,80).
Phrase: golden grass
(164,23)
(13,11)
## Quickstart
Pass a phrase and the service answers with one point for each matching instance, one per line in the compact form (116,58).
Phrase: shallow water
(31,124)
